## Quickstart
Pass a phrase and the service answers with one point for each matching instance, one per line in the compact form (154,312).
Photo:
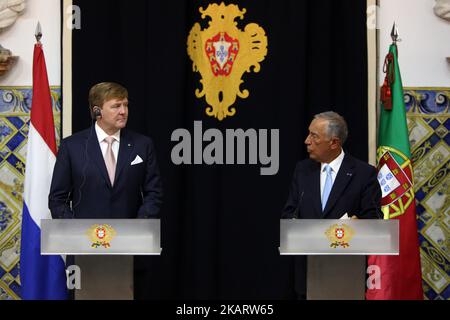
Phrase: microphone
(86,153)
(297,210)
(380,214)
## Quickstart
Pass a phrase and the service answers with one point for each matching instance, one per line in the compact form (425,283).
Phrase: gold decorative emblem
(101,235)
(222,53)
(395,173)
(340,235)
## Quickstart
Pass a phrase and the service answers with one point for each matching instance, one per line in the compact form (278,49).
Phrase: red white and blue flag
(42,277)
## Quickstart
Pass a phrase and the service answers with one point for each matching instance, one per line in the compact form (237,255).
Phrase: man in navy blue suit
(331,183)
(106,171)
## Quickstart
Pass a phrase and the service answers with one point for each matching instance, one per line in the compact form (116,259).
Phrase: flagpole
(42,277)
(401,275)
(395,39)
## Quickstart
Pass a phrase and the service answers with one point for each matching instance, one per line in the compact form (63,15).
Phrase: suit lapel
(343,178)
(125,149)
(95,152)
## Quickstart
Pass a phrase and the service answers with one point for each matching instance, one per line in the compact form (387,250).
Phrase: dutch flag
(42,277)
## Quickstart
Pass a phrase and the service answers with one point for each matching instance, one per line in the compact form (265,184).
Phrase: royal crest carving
(442,9)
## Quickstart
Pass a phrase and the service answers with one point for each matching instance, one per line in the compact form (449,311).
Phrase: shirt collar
(335,164)
(101,134)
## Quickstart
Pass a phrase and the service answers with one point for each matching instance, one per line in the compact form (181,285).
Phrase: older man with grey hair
(331,183)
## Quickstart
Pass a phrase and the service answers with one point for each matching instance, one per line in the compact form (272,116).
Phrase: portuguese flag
(401,277)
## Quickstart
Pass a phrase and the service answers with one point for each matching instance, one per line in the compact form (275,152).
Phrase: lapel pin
(349,174)
(129,145)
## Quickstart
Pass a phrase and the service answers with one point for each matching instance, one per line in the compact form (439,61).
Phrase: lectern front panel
(100,237)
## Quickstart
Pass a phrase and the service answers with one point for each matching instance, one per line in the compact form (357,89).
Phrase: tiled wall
(429,125)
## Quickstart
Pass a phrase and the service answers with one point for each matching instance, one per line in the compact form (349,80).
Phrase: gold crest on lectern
(339,235)
(101,235)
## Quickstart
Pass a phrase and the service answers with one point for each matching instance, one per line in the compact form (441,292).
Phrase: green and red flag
(401,277)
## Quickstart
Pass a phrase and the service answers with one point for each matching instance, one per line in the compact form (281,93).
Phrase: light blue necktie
(327,187)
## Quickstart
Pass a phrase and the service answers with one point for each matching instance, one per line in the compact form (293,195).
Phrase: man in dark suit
(106,171)
(330,184)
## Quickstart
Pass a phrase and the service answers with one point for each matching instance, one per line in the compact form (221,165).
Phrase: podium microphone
(297,210)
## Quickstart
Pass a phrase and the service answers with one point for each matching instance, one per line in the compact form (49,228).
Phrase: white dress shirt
(101,135)
(335,165)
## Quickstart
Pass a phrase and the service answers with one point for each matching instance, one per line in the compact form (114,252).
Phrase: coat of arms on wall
(222,53)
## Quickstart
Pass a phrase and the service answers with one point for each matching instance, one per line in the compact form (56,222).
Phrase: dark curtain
(220,223)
